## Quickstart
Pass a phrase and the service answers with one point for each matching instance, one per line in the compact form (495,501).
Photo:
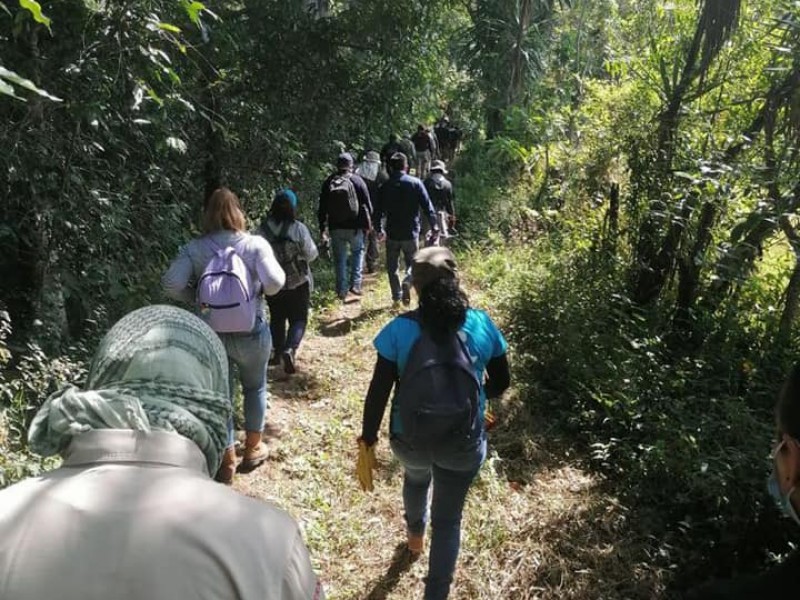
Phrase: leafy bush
(682,438)
(24,385)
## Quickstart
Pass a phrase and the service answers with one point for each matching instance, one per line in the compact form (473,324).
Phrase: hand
(381,237)
(325,236)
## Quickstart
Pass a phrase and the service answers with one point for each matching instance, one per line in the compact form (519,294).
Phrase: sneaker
(274,361)
(405,288)
(356,291)
(288,361)
(342,296)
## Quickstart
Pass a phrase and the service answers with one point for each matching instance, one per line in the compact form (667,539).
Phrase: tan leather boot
(227,469)
(255,451)
(416,543)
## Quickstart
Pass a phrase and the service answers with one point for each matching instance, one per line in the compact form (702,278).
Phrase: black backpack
(438,393)
(437,190)
(288,253)
(342,199)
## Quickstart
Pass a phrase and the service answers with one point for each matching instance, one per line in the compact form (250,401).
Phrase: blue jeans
(452,470)
(393,249)
(250,353)
(340,240)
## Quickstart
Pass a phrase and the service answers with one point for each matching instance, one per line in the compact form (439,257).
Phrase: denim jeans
(393,249)
(340,240)
(249,352)
(289,306)
(452,470)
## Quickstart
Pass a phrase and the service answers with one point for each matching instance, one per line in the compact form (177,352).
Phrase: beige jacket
(135,516)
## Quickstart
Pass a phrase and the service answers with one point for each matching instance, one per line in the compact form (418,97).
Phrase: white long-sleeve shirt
(179,280)
(135,515)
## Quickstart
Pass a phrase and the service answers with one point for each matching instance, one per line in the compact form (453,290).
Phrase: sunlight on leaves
(36,11)
(23,83)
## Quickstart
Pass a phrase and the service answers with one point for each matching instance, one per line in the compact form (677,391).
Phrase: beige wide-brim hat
(438,165)
(432,264)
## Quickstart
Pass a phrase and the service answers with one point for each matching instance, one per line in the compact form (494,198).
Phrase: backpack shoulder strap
(284,233)
(210,243)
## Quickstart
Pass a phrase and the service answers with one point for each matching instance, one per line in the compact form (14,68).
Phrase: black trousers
(289,307)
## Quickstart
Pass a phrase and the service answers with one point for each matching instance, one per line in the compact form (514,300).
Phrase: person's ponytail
(442,308)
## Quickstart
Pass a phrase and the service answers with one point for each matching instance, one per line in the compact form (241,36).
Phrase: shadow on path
(341,325)
(401,563)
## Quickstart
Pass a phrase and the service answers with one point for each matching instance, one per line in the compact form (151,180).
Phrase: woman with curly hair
(443,360)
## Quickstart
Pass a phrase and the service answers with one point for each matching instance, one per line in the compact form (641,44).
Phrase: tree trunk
(612,221)
(689,270)
(791,302)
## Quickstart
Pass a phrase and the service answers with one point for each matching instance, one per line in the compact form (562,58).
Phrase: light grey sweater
(179,280)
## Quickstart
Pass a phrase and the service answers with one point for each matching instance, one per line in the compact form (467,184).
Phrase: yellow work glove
(366,462)
(489,419)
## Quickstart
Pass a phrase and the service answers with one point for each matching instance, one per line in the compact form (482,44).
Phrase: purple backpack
(224,292)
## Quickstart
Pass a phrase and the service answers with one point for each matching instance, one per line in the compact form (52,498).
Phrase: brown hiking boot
(416,543)
(227,469)
(255,451)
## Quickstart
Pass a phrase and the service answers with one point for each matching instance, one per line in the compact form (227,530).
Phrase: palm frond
(718,20)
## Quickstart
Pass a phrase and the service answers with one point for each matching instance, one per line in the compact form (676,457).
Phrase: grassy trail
(535,525)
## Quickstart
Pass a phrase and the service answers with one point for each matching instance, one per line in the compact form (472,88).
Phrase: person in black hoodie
(344,218)
(441,193)
(783,580)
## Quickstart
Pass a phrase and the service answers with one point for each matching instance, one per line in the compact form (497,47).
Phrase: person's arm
(427,207)
(175,281)
(269,271)
(310,251)
(449,203)
(498,376)
(384,377)
(377,215)
(364,202)
(299,580)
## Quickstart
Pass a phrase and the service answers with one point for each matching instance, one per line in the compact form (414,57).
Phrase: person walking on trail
(443,360)
(407,148)
(441,193)
(295,250)
(223,274)
(389,148)
(132,512)
(344,217)
(400,200)
(783,485)
(435,148)
(372,172)
(423,147)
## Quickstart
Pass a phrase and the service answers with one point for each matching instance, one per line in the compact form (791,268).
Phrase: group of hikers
(133,513)
(380,201)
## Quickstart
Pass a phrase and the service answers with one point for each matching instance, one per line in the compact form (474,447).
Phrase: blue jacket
(400,200)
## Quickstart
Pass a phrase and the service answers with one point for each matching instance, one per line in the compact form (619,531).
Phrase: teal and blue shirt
(483,340)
